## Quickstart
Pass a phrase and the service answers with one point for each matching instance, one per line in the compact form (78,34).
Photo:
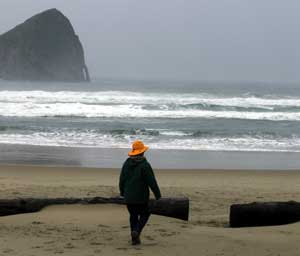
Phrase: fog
(228,40)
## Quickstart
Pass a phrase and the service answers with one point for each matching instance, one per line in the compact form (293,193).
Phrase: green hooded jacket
(135,179)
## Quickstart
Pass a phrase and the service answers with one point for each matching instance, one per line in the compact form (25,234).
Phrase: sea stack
(43,48)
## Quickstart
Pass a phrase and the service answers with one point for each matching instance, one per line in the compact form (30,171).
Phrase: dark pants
(139,215)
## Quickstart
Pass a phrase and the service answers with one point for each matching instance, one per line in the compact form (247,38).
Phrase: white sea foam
(120,104)
(141,98)
(132,111)
(88,139)
(174,133)
(122,107)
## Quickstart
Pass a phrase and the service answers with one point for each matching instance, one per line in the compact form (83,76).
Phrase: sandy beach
(104,230)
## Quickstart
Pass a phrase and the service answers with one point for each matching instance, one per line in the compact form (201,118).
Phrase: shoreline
(11,154)
(113,169)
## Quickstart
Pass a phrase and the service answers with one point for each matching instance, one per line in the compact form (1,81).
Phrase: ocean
(191,118)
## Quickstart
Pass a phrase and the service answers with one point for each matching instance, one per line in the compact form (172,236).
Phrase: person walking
(135,179)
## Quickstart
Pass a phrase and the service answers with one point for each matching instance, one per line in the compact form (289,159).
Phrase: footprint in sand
(102,226)
(169,234)
(161,230)
(96,243)
(37,247)
(8,250)
(49,242)
(69,246)
(164,232)
(58,251)
(37,223)
(122,248)
(149,238)
(184,226)
(53,229)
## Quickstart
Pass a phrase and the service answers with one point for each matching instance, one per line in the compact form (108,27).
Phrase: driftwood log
(264,214)
(170,207)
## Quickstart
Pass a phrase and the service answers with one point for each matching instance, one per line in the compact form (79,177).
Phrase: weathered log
(169,207)
(28,205)
(264,214)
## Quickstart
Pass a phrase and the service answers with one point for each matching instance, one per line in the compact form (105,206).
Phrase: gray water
(174,116)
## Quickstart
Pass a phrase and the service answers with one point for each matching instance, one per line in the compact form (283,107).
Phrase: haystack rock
(43,48)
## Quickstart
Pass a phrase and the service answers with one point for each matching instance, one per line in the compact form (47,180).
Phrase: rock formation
(43,48)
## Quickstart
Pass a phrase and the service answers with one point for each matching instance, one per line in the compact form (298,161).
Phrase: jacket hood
(136,160)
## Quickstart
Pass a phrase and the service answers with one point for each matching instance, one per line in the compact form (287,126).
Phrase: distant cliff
(43,48)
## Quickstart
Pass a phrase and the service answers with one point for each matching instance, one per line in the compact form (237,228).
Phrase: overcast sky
(249,40)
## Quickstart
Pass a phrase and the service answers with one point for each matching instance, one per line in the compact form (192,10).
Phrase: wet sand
(104,230)
(171,159)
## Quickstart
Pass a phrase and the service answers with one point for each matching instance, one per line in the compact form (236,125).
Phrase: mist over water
(165,115)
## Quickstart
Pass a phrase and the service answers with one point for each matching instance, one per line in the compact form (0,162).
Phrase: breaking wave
(156,139)
(125,104)
(184,121)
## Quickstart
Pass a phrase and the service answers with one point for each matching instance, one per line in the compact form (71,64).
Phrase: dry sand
(103,229)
